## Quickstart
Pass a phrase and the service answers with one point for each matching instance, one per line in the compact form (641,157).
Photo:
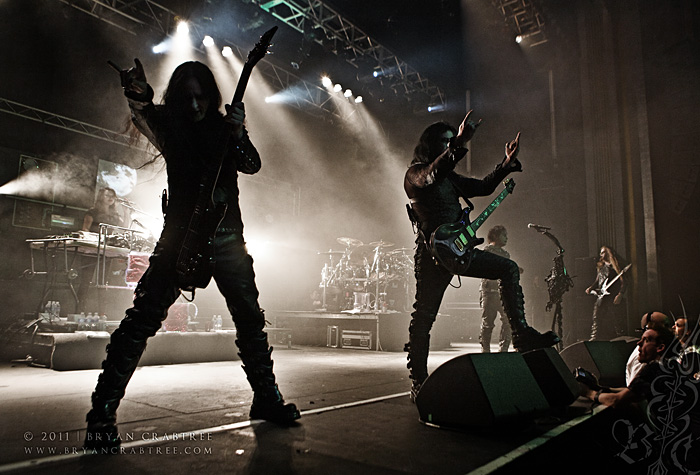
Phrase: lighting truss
(524,18)
(62,122)
(135,15)
(342,37)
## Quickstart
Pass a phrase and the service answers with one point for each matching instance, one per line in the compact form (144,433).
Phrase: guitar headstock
(260,49)
(509,183)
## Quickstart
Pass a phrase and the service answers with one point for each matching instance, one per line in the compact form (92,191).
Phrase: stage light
(227,52)
(183,28)
(208,41)
(347,93)
(358,99)
(161,47)
(518,39)
(337,88)
(436,108)
(326,81)
(375,73)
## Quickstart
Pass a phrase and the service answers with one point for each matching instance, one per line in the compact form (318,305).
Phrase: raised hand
(466,131)
(133,79)
(512,149)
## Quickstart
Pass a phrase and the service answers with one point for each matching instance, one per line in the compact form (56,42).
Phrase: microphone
(122,200)
(537,227)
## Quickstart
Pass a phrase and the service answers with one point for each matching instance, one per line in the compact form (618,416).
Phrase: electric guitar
(453,241)
(603,291)
(195,263)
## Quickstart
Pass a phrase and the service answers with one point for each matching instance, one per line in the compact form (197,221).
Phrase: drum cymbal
(381,244)
(330,253)
(350,242)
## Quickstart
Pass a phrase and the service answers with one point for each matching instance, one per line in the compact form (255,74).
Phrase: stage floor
(356,418)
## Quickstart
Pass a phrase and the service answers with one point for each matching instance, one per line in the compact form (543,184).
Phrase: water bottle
(103,322)
(219,322)
(57,309)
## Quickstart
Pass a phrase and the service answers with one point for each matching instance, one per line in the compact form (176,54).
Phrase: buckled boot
(123,354)
(525,338)
(485,338)
(417,347)
(505,338)
(268,403)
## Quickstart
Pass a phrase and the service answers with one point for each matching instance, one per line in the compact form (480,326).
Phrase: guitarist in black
(606,316)
(434,189)
(187,129)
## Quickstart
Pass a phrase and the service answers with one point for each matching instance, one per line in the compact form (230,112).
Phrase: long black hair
(429,145)
(176,99)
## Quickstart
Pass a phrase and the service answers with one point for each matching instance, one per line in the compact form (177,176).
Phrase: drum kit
(366,277)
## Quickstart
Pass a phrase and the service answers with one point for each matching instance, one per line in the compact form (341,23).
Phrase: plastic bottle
(57,309)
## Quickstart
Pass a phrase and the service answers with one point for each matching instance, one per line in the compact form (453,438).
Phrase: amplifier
(356,339)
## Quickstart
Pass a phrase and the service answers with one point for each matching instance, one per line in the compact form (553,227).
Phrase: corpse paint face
(197,102)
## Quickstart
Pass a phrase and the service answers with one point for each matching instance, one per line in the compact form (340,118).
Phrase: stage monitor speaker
(607,360)
(481,390)
(555,379)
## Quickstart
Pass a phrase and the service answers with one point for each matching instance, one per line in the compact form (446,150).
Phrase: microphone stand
(558,283)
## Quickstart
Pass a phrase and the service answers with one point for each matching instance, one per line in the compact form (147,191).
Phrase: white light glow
(208,41)
(227,51)
(162,47)
(337,88)
(183,28)
(326,81)
(358,99)
(347,93)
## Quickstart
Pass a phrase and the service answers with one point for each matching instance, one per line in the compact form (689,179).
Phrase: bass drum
(399,295)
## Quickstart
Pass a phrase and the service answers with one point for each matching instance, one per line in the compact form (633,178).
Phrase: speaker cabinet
(605,359)
(481,390)
(554,378)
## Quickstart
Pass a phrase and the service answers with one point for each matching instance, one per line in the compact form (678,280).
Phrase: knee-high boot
(525,338)
(417,347)
(123,354)
(505,337)
(268,403)
(485,338)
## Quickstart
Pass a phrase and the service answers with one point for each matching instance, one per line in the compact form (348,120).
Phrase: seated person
(633,363)
(664,388)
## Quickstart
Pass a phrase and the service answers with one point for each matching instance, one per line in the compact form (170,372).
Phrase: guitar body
(454,241)
(195,263)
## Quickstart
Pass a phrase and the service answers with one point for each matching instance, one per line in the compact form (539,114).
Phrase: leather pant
(432,280)
(155,293)
(491,305)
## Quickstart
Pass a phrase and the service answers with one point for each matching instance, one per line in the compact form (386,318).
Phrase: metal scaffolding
(48,118)
(137,15)
(524,18)
(342,37)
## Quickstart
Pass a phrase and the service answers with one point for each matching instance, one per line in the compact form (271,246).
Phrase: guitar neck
(476,224)
(242,83)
